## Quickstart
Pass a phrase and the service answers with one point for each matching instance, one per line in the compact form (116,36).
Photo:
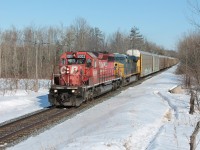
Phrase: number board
(81,56)
(69,56)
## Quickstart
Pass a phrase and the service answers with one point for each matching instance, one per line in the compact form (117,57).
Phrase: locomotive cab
(75,69)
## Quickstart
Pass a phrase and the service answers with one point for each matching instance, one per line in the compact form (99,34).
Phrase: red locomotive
(82,76)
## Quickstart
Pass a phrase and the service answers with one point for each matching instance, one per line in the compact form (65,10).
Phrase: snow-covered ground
(146,116)
(20,103)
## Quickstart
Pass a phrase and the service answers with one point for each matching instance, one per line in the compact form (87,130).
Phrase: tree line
(33,52)
(189,66)
(189,56)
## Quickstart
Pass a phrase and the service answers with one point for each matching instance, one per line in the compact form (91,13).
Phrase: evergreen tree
(136,39)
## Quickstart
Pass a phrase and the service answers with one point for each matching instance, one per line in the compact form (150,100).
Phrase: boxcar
(155,63)
(145,61)
(146,64)
(161,62)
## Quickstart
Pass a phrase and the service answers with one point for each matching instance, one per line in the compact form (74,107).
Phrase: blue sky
(160,21)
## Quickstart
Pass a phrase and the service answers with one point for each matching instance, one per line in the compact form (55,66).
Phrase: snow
(13,105)
(146,116)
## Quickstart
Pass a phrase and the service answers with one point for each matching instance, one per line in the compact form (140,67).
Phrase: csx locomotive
(84,75)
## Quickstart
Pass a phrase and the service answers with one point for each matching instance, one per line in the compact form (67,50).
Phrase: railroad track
(17,130)
(20,129)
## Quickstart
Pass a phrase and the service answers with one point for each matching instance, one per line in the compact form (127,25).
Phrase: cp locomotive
(84,75)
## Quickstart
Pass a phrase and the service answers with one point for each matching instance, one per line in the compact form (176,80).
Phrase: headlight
(73,91)
(55,91)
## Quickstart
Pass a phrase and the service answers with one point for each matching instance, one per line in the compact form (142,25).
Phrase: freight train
(85,75)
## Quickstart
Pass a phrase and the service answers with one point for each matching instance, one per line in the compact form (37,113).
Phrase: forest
(33,52)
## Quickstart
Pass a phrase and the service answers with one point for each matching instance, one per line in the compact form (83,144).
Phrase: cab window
(89,62)
(71,61)
(80,61)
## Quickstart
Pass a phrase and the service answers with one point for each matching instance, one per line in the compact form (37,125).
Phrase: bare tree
(193,136)
(96,39)
(69,39)
(194,8)
(189,56)
(118,42)
(189,53)
(81,29)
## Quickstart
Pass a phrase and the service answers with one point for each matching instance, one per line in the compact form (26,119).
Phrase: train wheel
(90,95)
(114,86)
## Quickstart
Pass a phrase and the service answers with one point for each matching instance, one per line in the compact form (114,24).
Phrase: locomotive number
(69,56)
(81,56)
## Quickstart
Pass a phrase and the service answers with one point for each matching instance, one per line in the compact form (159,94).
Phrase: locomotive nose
(71,75)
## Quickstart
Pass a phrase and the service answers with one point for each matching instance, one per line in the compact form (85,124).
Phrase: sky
(161,21)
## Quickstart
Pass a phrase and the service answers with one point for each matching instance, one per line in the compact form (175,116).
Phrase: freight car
(85,75)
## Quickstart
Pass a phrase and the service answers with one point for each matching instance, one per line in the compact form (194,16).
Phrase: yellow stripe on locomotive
(119,69)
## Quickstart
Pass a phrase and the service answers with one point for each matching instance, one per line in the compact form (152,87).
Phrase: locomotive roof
(92,54)
(135,52)
(126,56)
(120,55)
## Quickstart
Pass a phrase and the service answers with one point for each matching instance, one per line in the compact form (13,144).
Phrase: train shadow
(43,101)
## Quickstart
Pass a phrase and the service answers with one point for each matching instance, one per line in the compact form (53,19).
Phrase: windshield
(75,61)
